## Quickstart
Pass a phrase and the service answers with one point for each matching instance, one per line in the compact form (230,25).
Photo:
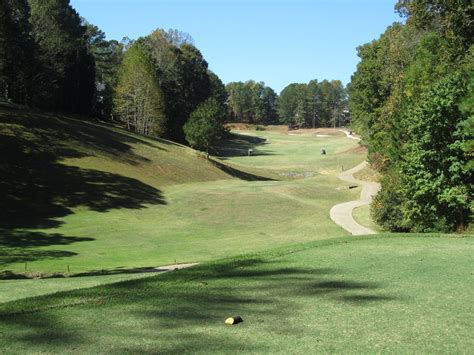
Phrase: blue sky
(275,41)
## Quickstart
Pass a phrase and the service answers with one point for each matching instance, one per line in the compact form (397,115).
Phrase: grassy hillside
(359,294)
(83,196)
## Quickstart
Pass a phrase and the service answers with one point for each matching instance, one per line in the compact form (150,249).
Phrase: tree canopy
(251,102)
(316,104)
(411,98)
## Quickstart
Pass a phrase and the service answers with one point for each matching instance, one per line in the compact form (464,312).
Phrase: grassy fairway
(362,294)
(94,197)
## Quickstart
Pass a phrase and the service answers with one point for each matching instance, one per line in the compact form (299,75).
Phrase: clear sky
(275,41)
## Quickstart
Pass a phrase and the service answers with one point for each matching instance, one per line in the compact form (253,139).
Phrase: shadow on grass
(20,246)
(239,174)
(121,271)
(194,303)
(36,189)
(44,330)
(238,145)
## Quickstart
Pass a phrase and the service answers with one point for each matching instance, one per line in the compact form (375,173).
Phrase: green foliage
(16,49)
(204,126)
(139,101)
(107,56)
(453,20)
(218,90)
(405,99)
(251,102)
(316,104)
(183,75)
(433,173)
(292,98)
(467,108)
(386,206)
(65,78)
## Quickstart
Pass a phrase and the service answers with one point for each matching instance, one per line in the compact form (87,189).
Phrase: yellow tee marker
(234,320)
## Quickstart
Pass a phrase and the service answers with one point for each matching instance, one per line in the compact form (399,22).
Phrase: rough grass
(368,174)
(89,197)
(392,294)
(362,216)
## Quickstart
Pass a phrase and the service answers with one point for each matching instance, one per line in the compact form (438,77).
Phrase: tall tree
(433,172)
(315,97)
(252,102)
(183,75)
(316,104)
(139,101)
(292,105)
(16,48)
(107,56)
(65,78)
(410,99)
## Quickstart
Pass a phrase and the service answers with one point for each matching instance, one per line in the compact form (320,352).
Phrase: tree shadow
(239,174)
(20,246)
(191,300)
(37,189)
(43,331)
(237,145)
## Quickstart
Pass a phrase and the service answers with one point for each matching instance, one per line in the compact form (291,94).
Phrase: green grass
(285,153)
(83,197)
(356,294)
(11,290)
(363,217)
(89,197)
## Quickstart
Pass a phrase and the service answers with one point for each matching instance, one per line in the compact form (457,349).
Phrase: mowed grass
(398,294)
(11,290)
(84,197)
(362,216)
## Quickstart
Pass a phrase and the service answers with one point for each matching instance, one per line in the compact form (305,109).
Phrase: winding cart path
(341,214)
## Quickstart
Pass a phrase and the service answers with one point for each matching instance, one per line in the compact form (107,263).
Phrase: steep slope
(50,164)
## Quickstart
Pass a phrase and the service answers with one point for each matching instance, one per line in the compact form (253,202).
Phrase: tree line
(53,59)
(45,60)
(316,104)
(412,99)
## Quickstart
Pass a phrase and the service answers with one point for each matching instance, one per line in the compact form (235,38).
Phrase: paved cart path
(341,214)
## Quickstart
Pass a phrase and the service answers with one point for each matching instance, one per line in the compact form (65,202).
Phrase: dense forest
(412,99)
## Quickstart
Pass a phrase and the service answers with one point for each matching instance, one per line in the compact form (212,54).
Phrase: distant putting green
(389,294)
(87,197)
